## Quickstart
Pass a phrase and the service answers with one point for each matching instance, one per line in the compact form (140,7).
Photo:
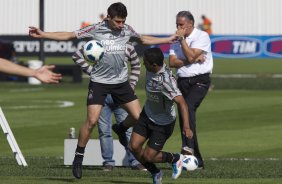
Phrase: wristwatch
(181,38)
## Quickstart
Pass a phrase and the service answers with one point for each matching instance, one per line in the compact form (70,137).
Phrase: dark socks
(79,153)
(170,157)
(122,127)
(151,167)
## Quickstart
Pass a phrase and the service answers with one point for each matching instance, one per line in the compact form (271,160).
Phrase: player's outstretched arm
(37,33)
(150,40)
(46,75)
(43,74)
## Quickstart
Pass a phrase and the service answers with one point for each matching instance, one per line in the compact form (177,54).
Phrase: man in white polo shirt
(192,57)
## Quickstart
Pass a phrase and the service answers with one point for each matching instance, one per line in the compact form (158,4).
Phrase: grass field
(221,66)
(265,73)
(239,132)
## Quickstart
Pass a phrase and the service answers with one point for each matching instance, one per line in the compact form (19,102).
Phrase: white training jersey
(200,40)
(161,89)
(112,68)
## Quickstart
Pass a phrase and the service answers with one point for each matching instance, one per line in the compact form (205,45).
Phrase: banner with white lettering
(230,46)
(27,46)
(225,46)
(246,46)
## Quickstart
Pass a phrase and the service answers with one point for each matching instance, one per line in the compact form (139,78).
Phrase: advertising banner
(235,46)
(246,46)
(28,46)
(223,46)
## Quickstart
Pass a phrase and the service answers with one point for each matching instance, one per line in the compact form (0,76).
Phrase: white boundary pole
(11,140)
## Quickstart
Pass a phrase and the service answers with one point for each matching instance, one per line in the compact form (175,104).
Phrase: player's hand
(181,32)
(35,32)
(173,38)
(188,132)
(46,75)
(201,58)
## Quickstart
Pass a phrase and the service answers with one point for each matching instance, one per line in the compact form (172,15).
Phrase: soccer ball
(93,51)
(189,162)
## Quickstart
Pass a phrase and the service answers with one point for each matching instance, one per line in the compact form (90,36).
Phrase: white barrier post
(92,155)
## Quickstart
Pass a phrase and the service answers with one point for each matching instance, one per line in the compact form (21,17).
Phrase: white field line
(26,90)
(277,76)
(44,105)
(246,76)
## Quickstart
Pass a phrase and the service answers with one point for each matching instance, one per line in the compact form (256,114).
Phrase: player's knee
(148,157)
(136,116)
(91,122)
(133,147)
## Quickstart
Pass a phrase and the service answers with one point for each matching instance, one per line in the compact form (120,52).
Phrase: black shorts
(121,93)
(157,135)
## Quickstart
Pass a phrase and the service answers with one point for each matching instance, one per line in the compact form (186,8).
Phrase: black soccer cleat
(77,168)
(201,164)
(121,135)
(187,151)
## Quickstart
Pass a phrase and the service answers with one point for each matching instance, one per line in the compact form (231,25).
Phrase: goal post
(11,140)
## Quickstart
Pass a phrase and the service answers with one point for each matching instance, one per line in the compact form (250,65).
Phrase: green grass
(49,170)
(233,123)
(262,68)
(247,66)
(221,66)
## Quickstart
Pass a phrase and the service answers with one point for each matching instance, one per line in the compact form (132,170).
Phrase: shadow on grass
(84,167)
(124,182)
(73,180)
(67,180)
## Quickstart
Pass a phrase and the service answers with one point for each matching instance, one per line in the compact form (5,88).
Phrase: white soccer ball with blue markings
(93,51)
(189,162)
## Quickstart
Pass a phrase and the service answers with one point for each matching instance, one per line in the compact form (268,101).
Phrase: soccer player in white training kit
(193,72)
(157,119)
(105,120)
(109,76)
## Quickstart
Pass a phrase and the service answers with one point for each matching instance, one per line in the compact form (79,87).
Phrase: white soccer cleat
(157,178)
(177,168)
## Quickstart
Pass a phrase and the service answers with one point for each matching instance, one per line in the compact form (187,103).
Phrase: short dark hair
(154,56)
(117,10)
(187,14)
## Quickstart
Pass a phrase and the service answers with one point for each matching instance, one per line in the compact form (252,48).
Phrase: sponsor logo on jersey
(234,47)
(111,47)
(273,47)
(153,97)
